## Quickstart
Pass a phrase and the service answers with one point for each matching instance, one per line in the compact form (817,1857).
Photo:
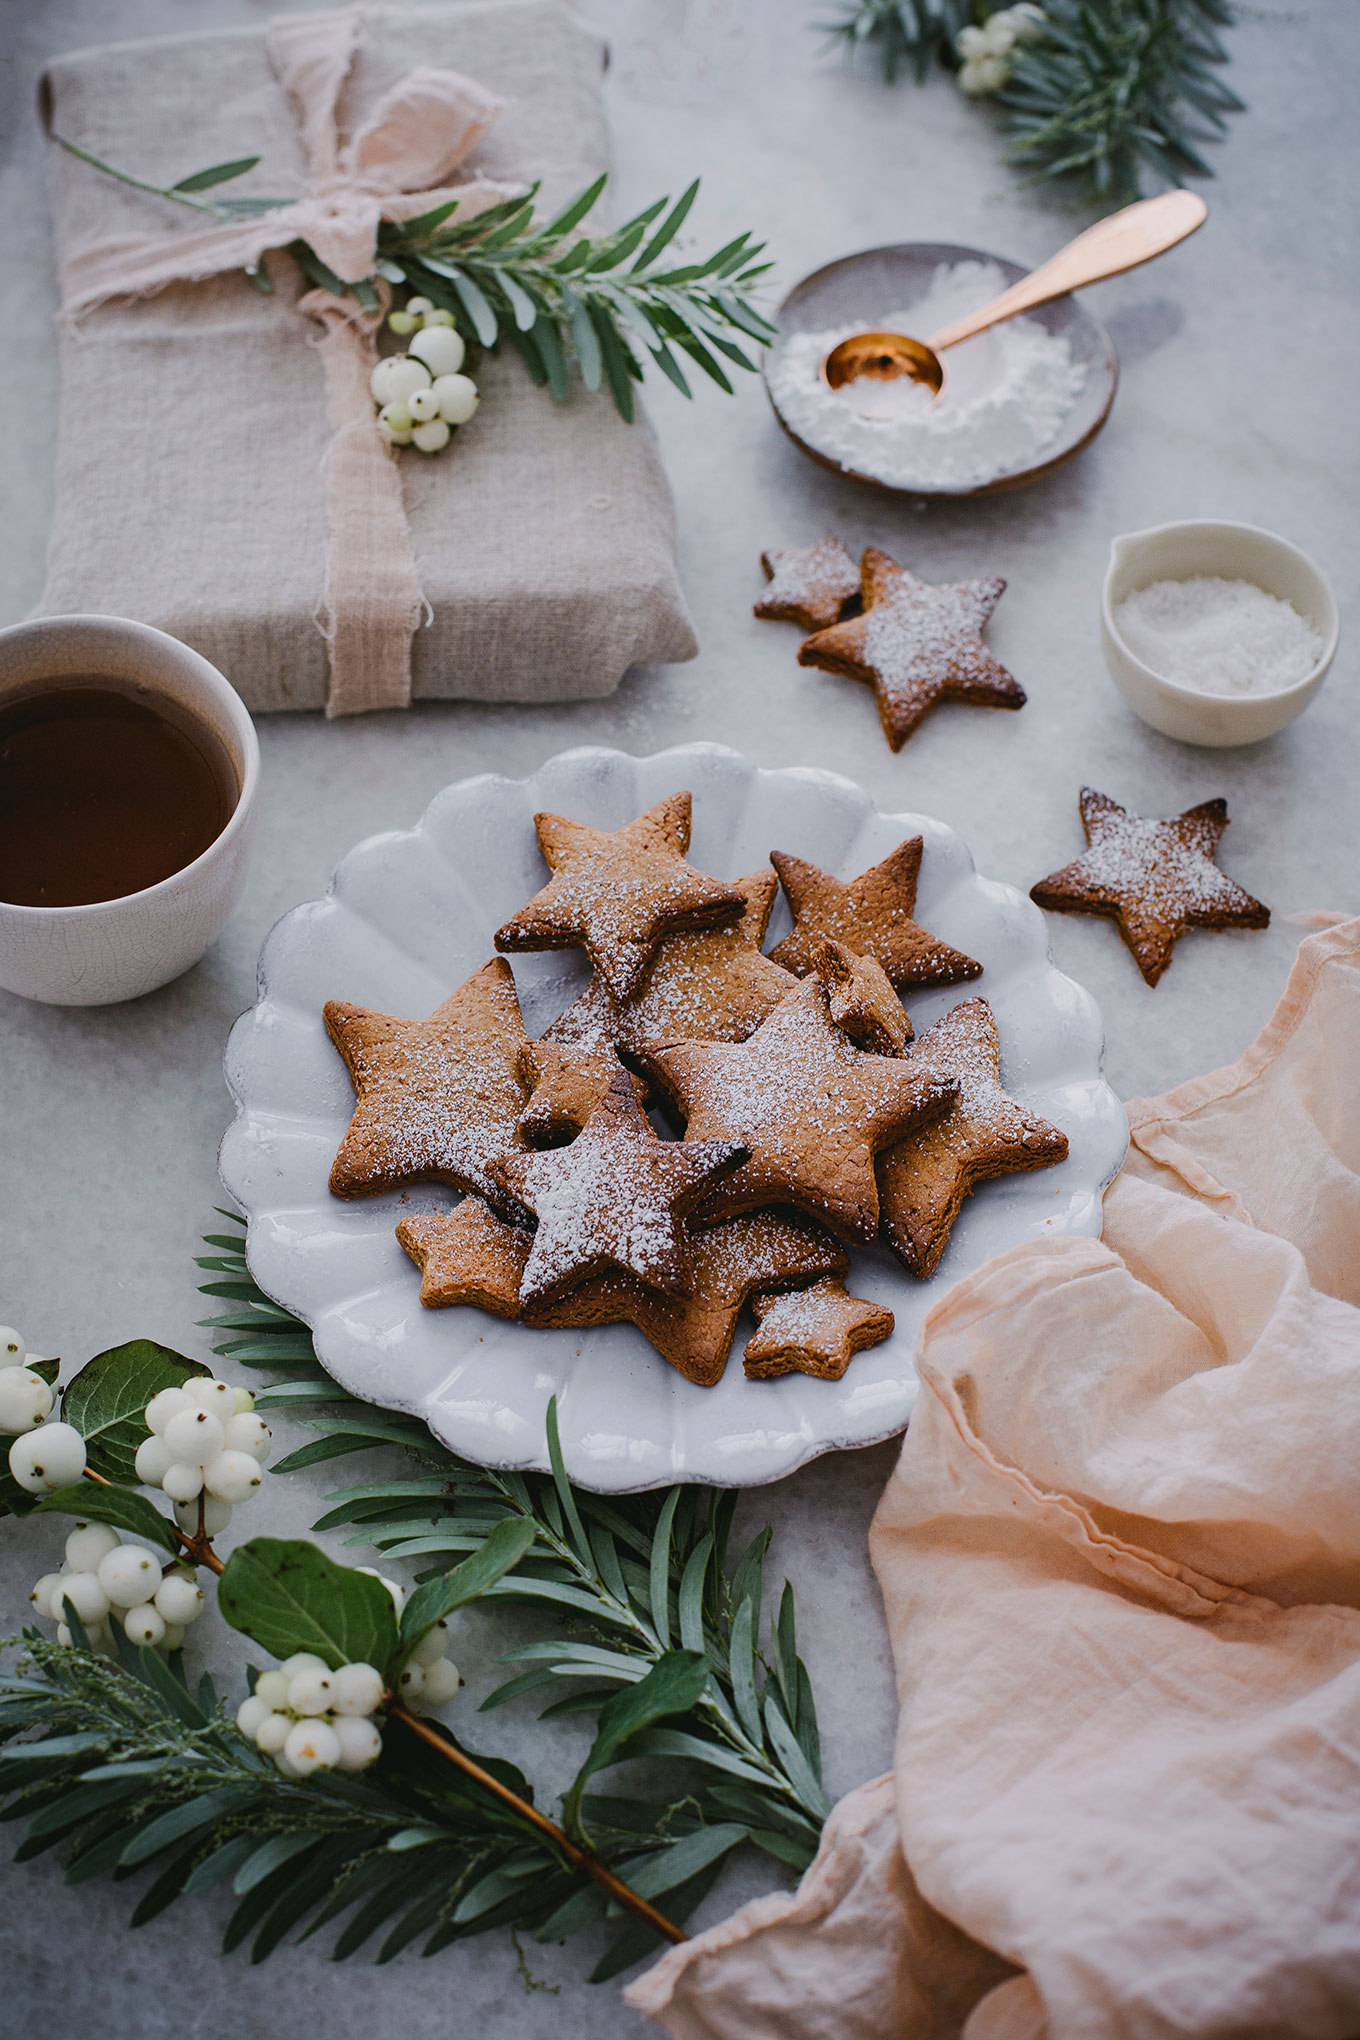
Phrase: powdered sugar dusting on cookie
(1131,856)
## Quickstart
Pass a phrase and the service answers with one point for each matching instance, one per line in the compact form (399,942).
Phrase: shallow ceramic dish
(408,916)
(1228,552)
(881,280)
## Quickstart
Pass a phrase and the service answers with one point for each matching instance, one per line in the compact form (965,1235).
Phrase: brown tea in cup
(106,788)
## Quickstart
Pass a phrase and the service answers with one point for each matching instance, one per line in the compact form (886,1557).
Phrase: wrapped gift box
(194,422)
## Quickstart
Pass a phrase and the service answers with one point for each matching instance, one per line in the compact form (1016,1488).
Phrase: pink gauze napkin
(1120,1559)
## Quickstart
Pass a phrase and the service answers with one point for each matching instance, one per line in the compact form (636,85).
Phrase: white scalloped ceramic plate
(408,916)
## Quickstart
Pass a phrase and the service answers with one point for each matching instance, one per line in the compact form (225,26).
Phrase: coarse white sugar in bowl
(1216,633)
(1008,392)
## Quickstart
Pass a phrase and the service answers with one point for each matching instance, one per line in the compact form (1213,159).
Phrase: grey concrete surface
(109,1119)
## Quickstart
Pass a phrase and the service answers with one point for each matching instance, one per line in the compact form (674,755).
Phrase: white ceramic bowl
(1233,552)
(117,949)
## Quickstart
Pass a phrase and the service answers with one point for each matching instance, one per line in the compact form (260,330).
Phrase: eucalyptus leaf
(289,1596)
(505,1546)
(220,173)
(673,1686)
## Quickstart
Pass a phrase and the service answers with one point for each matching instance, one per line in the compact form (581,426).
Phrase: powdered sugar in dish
(1006,396)
(1218,637)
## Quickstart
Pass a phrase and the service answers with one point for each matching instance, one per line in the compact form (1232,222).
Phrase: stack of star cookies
(810,1121)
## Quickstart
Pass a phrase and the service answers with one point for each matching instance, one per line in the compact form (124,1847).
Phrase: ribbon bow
(390,169)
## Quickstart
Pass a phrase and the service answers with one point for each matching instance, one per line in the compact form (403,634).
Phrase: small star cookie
(1156,879)
(694,1333)
(811,1108)
(923,1181)
(616,893)
(861,1000)
(817,1330)
(917,643)
(467,1255)
(809,585)
(567,1084)
(710,984)
(617,1197)
(437,1099)
(871,915)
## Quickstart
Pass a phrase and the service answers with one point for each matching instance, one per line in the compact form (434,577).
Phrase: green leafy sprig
(609,301)
(1101,92)
(638,1579)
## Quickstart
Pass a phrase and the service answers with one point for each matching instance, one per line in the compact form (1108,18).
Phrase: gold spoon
(1107,249)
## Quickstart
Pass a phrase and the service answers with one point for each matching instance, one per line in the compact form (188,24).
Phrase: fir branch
(551,291)
(895,31)
(632,1577)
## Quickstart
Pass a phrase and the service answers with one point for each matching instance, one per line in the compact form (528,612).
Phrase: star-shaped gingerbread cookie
(809,584)
(617,1197)
(811,1107)
(917,643)
(711,984)
(923,1181)
(1155,878)
(467,1255)
(437,1098)
(871,915)
(567,1084)
(730,1261)
(615,893)
(861,1000)
(817,1330)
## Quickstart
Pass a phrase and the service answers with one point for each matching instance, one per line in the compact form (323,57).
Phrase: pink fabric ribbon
(392,168)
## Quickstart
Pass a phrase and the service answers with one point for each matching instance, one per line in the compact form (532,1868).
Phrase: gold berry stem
(580,1859)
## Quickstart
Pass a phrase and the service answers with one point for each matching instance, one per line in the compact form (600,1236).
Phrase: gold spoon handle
(1108,248)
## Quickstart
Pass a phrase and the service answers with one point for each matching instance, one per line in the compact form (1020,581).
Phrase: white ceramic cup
(117,949)
(1232,552)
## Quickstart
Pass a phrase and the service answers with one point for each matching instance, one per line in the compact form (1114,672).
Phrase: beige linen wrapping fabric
(1120,1558)
(195,422)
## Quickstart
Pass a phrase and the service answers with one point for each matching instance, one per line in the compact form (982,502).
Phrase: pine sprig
(1099,92)
(636,1579)
(607,300)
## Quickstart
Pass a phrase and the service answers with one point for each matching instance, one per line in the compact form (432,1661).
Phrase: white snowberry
(25,1399)
(43,1590)
(419,307)
(396,377)
(432,1645)
(441,1683)
(273,1733)
(272,1688)
(422,405)
(85,1592)
(153,1460)
(311,1691)
(173,1638)
(243,1401)
(394,1587)
(439,317)
(248,1433)
(251,1714)
(51,1457)
(182,1482)
(232,1476)
(13,1351)
(194,1437)
(217,1397)
(393,438)
(411,1683)
(302,1661)
(179,1600)
(402,323)
(129,1575)
(162,1407)
(216,1516)
(88,1543)
(439,348)
(359,1740)
(358,1690)
(458,398)
(431,437)
(312,1746)
(144,1624)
